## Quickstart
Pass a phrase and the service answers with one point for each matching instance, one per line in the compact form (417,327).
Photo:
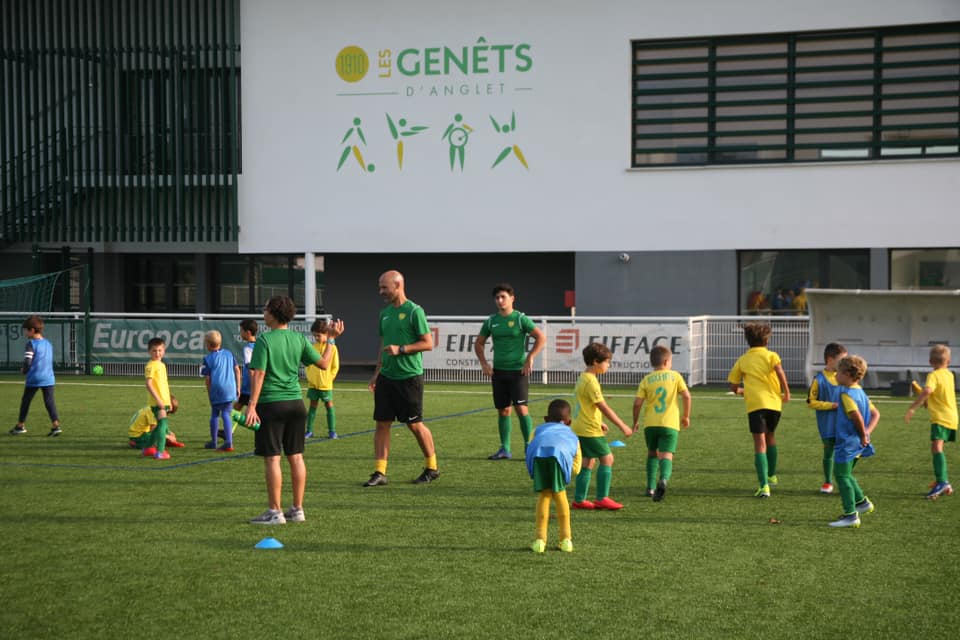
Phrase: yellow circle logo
(402,316)
(510,324)
(352,64)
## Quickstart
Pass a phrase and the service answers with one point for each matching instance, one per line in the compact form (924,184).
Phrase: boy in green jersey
(512,364)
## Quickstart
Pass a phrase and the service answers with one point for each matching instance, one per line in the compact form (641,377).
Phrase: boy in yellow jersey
(823,397)
(320,381)
(158,398)
(142,430)
(662,419)
(765,390)
(939,392)
(590,429)
(553,457)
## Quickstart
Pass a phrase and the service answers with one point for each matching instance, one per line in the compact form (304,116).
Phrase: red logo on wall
(568,340)
(436,336)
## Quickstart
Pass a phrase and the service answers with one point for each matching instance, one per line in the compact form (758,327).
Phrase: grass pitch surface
(98,542)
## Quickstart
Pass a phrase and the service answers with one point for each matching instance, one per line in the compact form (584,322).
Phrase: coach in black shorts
(397,384)
(512,364)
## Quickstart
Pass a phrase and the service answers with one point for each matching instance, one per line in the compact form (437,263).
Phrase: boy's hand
(335,329)
(685,423)
(908,415)
(604,427)
(487,370)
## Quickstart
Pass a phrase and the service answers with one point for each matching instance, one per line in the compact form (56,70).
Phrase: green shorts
(662,439)
(548,475)
(325,395)
(595,447)
(940,432)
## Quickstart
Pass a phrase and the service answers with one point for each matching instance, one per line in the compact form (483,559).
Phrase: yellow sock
(430,462)
(543,513)
(563,514)
(381,466)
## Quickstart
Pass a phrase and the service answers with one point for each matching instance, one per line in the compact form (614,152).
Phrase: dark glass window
(812,96)
(774,281)
(925,269)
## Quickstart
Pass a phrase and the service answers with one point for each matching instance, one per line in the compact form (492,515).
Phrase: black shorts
(763,420)
(244,399)
(400,400)
(510,388)
(283,427)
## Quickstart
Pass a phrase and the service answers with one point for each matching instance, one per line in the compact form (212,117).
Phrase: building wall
(443,284)
(657,283)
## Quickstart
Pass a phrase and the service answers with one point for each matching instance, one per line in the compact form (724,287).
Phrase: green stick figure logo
(457,134)
(400,133)
(505,129)
(354,130)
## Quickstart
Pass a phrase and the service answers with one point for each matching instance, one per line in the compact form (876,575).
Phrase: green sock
(503,425)
(651,473)
(311,415)
(760,462)
(604,478)
(828,465)
(666,469)
(771,460)
(940,466)
(332,419)
(526,427)
(583,484)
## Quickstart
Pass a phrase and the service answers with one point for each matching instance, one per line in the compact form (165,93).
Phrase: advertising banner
(125,340)
(630,344)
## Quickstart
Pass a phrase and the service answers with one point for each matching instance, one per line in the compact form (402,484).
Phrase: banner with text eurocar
(125,340)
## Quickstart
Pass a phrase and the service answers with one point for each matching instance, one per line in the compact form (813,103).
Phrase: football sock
(381,466)
(543,512)
(604,478)
(311,416)
(160,434)
(651,472)
(503,426)
(828,464)
(583,484)
(430,462)
(214,424)
(526,428)
(666,469)
(771,460)
(940,466)
(227,430)
(331,419)
(563,514)
(760,462)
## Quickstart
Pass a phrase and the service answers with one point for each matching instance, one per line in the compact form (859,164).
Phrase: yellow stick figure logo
(515,149)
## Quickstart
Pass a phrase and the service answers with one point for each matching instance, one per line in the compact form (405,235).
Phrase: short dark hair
(249,325)
(659,354)
(833,349)
(33,322)
(281,308)
(756,333)
(557,410)
(156,341)
(503,286)
(596,352)
(319,326)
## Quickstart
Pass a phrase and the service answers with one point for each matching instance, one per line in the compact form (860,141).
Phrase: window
(244,283)
(774,281)
(925,269)
(164,284)
(813,96)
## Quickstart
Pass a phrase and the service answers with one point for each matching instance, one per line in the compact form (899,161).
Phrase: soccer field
(99,542)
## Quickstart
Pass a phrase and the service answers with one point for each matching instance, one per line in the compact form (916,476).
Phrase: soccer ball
(97,370)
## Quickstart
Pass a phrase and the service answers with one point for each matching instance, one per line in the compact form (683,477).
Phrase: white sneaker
(294,514)
(269,517)
(849,520)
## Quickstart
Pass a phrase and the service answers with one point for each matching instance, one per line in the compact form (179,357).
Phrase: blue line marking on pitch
(183,465)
